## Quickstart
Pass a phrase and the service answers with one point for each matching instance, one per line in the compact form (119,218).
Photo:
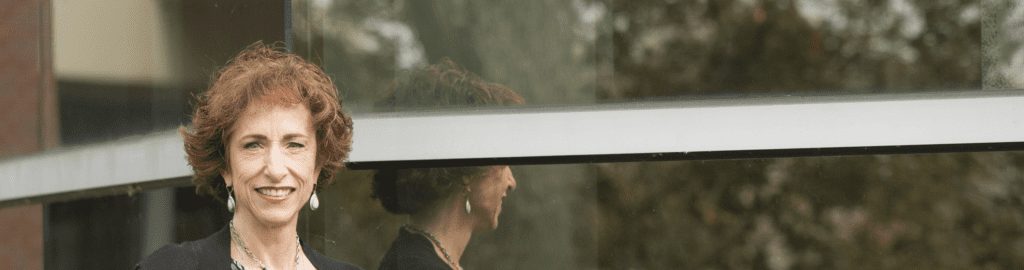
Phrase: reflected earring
(231,201)
(469,209)
(314,203)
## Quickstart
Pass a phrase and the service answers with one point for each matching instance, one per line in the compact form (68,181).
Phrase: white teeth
(274,191)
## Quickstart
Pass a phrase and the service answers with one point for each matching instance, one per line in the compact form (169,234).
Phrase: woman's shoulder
(171,256)
(210,252)
(323,263)
(411,251)
(411,262)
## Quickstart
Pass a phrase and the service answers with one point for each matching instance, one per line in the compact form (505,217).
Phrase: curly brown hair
(443,85)
(250,76)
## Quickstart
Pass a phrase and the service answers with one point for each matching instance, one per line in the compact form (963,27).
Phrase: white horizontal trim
(694,126)
(122,162)
(596,130)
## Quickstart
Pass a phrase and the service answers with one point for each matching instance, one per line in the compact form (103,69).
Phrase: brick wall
(27,125)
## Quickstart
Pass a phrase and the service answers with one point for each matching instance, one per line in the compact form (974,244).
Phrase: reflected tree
(932,211)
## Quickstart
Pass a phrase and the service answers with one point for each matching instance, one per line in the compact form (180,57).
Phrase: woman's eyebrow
(290,136)
(286,137)
(258,137)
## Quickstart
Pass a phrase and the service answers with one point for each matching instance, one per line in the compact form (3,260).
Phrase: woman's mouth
(275,192)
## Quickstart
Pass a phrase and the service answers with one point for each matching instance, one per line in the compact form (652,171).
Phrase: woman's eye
(252,145)
(296,145)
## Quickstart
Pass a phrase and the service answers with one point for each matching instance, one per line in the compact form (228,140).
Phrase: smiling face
(272,162)
(486,195)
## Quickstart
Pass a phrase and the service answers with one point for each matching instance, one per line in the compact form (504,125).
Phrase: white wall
(118,41)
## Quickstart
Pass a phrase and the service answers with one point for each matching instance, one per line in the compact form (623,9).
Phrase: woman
(266,135)
(445,205)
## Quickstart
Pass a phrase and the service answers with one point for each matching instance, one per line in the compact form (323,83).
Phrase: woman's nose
(275,168)
(512,180)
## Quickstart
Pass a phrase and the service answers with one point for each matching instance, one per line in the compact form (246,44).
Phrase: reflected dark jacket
(412,251)
(214,252)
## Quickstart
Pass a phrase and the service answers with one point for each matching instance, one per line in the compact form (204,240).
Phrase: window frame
(730,128)
(801,126)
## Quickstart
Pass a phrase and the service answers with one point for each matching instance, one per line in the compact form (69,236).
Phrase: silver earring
(314,203)
(469,209)
(231,201)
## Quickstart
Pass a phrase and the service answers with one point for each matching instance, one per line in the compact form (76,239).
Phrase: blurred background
(106,70)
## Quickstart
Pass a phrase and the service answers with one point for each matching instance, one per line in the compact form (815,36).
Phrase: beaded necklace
(238,240)
(438,243)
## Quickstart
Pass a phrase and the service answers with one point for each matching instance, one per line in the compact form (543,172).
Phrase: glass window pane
(669,48)
(927,211)
(582,52)
(123,69)
(542,50)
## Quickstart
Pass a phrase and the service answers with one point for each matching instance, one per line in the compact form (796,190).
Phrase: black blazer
(412,251)
(214,252)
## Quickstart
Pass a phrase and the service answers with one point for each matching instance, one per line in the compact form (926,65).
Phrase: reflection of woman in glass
(445,205)
(266,135)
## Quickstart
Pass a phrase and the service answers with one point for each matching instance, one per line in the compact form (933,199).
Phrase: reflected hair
(410,191)
(250,77)
(446,85)
(443,85)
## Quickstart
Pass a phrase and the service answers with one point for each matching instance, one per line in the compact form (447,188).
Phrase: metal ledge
(697,129)
(86,170)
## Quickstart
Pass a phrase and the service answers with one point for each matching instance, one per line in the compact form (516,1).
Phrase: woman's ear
(225,172)
(228,181)
(317,180)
